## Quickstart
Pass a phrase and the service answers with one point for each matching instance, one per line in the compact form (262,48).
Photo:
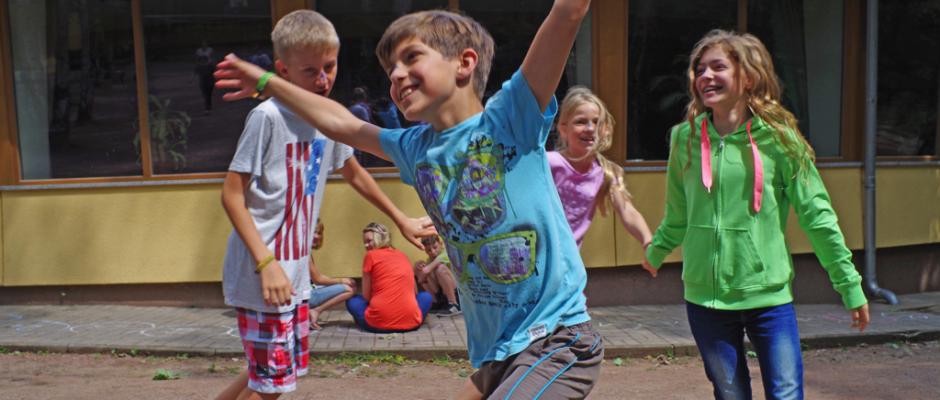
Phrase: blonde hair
(613,174)
(303,29)
(755,66)
(446,32)
(381,237)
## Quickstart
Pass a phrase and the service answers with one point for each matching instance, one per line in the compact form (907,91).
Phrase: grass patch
(165,375)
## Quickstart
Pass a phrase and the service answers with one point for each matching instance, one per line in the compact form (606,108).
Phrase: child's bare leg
(447,283)
(252,395)
(235,389)
(469,392)
(315,312)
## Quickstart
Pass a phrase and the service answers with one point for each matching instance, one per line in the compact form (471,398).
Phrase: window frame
(609,36)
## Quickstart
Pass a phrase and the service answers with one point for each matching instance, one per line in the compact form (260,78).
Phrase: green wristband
(262,82)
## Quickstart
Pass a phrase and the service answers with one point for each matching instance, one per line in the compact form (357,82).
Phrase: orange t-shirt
(393,305)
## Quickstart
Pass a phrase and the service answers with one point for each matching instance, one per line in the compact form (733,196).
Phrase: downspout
(871,126)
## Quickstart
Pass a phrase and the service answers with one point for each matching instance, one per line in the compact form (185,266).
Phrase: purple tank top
(577,192)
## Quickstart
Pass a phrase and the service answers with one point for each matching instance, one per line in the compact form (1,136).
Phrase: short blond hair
(446,32)
(304,29)
(381,237)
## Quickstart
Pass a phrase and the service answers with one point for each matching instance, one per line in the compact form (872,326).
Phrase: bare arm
(275,288)
(367,286)
(360,179)
(630,218)
(322,279)
(545,61)
(330,117)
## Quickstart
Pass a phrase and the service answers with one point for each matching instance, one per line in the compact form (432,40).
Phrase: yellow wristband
(263,263)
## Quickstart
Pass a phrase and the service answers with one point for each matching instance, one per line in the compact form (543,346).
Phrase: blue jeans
(357,305)
(719,335)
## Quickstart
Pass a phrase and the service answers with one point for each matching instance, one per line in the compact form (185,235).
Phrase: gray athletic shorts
(563,365)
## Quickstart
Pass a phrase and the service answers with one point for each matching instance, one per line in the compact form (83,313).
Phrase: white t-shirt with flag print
(288,161)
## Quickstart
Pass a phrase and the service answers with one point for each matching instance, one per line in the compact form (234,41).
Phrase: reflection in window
(513,25)
(662,34)
(191,128)
(805,41)
(76,107)
(360,24)
(908,77)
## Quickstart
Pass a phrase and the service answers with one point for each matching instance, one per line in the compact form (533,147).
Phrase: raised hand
(413,229)
(235,73)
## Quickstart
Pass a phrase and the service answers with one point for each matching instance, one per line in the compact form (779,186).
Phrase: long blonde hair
(755,66)
(613,173)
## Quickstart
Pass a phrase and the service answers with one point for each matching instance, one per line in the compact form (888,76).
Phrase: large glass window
(908,77)
(191,128)
(76,104)
(360,24)
(661,36)
(805,41)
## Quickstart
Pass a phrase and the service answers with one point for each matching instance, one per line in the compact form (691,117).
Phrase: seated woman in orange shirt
(388,302)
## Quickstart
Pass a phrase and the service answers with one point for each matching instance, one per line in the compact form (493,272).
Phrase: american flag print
(303,161)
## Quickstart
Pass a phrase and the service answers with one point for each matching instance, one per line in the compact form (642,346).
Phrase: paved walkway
(628,330)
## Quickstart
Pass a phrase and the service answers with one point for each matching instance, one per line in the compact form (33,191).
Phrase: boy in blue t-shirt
(483,176)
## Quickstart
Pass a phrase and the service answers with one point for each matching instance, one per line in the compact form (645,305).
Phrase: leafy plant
(169,133)
(165,375)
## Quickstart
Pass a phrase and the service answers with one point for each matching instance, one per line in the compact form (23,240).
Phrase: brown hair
(303,28)
(753,64)
(446,32)
(613,173)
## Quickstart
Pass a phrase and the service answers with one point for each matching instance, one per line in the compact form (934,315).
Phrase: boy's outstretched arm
(413,229)
(545,61)
(330,117)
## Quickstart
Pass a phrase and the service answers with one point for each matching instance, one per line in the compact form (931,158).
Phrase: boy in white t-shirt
(272,195)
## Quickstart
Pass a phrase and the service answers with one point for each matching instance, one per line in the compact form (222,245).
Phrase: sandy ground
(885,371)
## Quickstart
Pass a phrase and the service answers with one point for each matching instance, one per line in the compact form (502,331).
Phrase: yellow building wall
(154,234)
(170,234)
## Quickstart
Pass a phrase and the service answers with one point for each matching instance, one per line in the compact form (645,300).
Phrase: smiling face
(580,130)
(716,81)
(368,240)
(421,79)
(311,70)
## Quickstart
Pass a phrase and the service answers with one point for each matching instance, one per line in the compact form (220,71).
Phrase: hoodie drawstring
(755,155)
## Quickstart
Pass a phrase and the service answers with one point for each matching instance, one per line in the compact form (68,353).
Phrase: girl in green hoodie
(728,210)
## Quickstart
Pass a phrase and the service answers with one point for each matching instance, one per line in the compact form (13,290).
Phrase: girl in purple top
(585,179)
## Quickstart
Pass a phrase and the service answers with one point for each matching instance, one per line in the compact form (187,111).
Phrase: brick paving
(628,330)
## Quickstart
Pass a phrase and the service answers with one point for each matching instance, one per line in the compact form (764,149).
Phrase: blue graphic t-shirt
(486,184)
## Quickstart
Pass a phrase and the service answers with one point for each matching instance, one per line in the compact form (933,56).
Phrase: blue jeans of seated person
(357,305)
(719,335)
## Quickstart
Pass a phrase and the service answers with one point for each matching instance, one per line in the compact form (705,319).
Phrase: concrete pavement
(627,330)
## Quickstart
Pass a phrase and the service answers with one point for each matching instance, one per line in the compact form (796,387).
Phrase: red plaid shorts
(277,346)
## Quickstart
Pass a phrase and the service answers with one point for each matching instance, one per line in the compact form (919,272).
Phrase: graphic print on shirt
(467,203)
(303,161)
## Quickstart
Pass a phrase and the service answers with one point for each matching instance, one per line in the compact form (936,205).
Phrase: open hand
(649,268)
(413,229)
(235,73)
(860,318)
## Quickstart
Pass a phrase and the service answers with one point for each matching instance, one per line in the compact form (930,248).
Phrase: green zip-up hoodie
(734,258)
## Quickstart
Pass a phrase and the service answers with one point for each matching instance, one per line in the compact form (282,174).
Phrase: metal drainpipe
(871,121)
